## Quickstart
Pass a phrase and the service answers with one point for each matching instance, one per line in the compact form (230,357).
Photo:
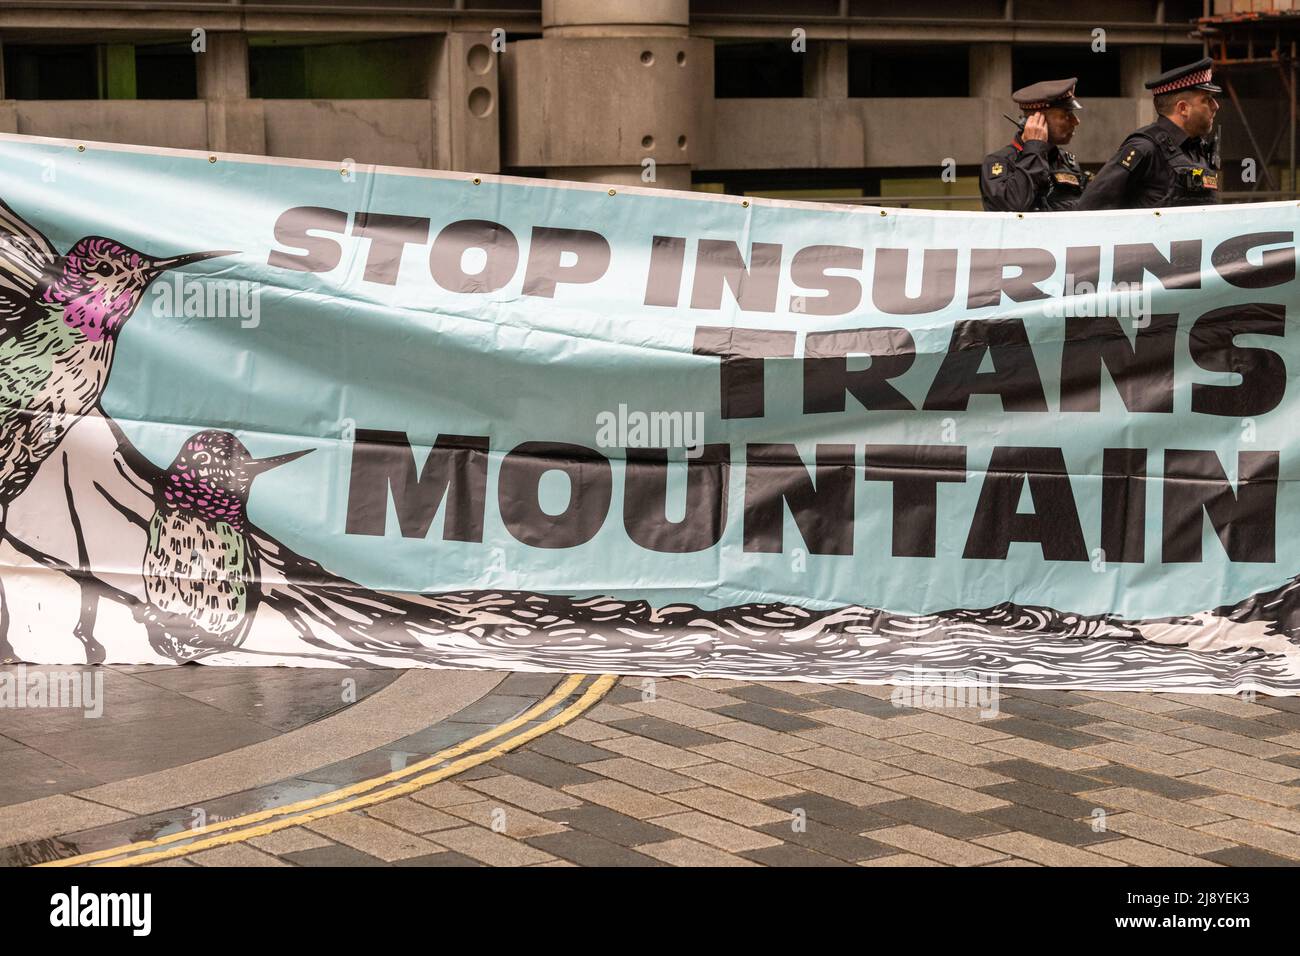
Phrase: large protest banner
(262,411)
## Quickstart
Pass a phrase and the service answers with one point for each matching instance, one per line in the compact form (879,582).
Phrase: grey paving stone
(524,684)
(833,842)
(1040,798)
(1045,733)
(931,816)
(1041,775)
(447,858)
(292,697)
(1170,787)
(188,677)
(1048,713)
(236,855)
(481,772)
(861,703)
(767,717)
(1056,698)
(775,699)
(1048,826)
(289,840)
(1289,704)
(610,825)
(587,849)
(567,749)
(373,763)
(1287,722)
(1287,760)
(1245,726)
(1248,856)
(111,749)
(623,694)
(494,709)
(335,855)
(29,774)
(665,731)
(439,737)
(819,808)
(790,855)
(543,769)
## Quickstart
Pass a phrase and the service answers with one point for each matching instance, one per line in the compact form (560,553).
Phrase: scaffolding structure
(1269,39)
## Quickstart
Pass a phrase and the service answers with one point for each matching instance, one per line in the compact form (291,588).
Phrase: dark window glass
(52,72)
(1175,56)
(909,71)
(165,72)
(757,70)
(1098,73)
(379,70)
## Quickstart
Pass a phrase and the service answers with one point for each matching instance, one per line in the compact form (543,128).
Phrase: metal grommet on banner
(1020,215)
(80,148)
(212,159)
(477,181)
(883,213)
(745,203)
(612,191)
(1157,212)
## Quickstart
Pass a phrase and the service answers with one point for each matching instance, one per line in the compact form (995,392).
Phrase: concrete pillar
(223,67)
(613,92)
(464,91)
(990,86)
(990,70)
(1137,64)
(236,124)
(615,18)
(826,70)
(8,109)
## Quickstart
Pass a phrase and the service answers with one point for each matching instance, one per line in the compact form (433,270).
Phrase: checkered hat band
(1194,79)
(1036,105)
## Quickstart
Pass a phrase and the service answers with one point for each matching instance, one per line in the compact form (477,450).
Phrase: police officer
(1034,173)
(1170,162)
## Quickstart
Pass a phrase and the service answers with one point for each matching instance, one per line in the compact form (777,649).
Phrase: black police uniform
(1034,176)
(1031,176)
(1160,165)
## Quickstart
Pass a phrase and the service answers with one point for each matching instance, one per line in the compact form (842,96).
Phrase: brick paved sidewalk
(734,773)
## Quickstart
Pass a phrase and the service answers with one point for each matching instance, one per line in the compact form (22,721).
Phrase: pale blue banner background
(332,350)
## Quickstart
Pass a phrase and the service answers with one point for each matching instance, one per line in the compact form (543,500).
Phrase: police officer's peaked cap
(1046,94)
(1194,76)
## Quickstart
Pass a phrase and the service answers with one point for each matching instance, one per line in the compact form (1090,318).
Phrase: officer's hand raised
(1035,128)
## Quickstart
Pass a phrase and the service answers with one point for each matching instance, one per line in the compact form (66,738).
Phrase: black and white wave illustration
(73,545)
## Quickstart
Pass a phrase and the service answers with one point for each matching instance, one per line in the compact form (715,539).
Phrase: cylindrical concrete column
(613,92)
(615,18)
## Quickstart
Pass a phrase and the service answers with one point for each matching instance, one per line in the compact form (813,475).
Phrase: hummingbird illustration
(202,568)
(59,321)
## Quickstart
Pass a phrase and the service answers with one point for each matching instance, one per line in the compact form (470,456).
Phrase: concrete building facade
(791,97)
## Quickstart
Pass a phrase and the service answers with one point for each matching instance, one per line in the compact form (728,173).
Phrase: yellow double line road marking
(327,804)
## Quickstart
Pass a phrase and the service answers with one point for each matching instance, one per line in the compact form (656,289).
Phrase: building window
(52,72)
(165,72)
(1175,56)
(937,70)
(374,70)
(759,70)
(1098,73)
(99,71)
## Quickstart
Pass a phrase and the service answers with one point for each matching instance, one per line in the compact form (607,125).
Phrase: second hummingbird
(201,569)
